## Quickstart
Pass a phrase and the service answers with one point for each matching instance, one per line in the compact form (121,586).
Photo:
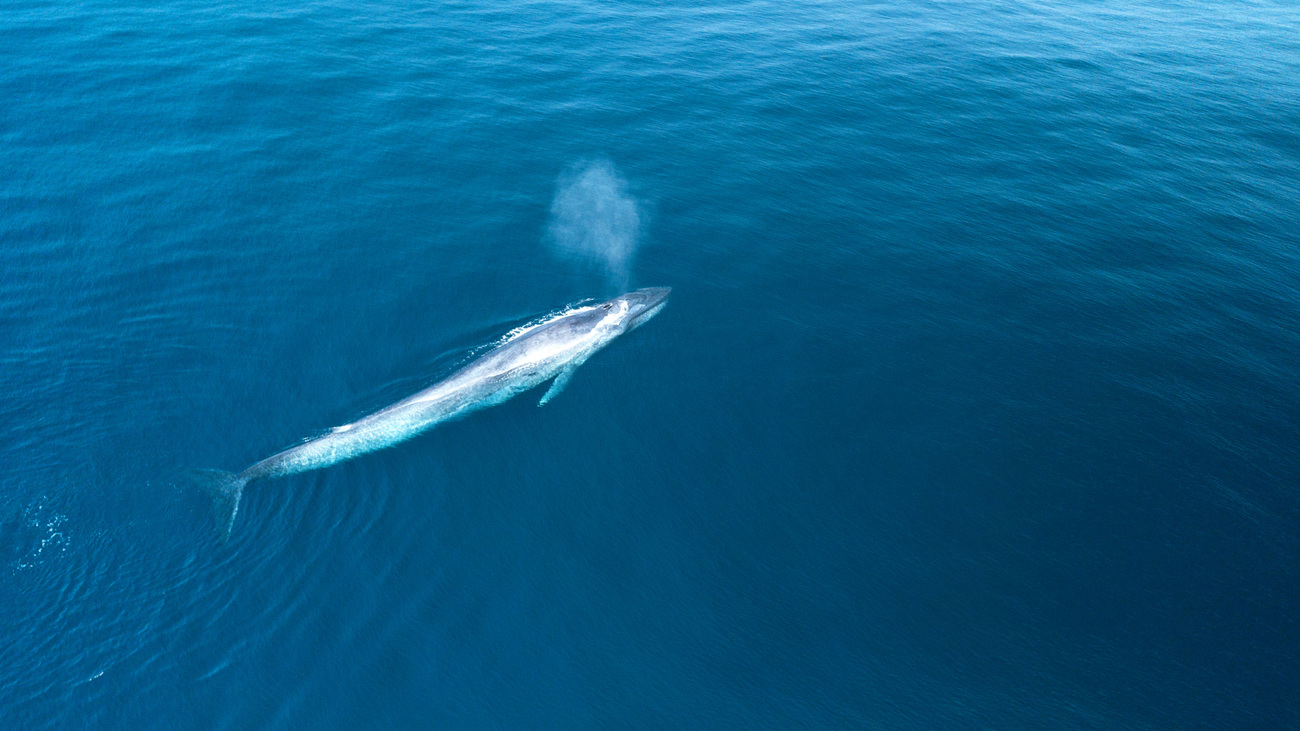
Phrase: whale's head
(595,325)
(634,309)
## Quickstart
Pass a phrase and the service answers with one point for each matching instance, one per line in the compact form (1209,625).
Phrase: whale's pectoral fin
(558,384)
(563,379)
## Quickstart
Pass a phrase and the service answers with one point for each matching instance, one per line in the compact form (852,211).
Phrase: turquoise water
(975,404)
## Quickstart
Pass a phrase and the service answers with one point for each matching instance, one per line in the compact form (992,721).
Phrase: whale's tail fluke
(225,489)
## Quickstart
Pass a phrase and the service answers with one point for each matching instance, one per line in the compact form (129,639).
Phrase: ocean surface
(976,404)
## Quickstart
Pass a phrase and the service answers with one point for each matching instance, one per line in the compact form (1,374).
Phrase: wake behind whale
(551,349)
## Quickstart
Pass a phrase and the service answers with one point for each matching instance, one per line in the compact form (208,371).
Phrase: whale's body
(552,348)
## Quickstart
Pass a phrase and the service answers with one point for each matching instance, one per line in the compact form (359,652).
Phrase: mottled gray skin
(553,348)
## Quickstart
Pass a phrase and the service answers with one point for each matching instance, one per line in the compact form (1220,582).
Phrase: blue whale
(550,349)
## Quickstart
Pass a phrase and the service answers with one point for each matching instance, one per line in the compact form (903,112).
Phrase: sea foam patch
(33,535)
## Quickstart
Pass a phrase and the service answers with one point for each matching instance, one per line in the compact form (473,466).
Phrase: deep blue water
(975,405)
